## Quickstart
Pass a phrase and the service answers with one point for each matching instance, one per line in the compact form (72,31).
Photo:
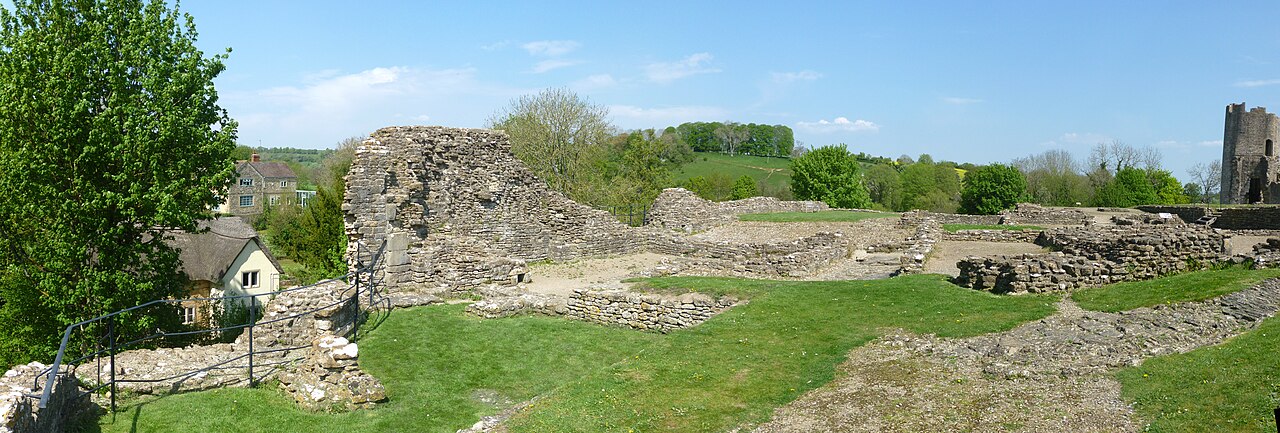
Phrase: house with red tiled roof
(258,185)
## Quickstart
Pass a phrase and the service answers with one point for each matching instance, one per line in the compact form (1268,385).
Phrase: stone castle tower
(1250,167)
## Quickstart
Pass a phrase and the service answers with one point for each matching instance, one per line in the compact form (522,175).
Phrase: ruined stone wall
(681,210)
(1093,256)
(644,312)
(1027,236)
(457,209)
(1034,214)
(789,258)
(20,388)
(1245,154)
(1248,218)
(1186,213)
(916,216)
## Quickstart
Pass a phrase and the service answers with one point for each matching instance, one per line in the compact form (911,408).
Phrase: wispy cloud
(324,108)
(666,72)
(961,101)
(791,77)
(550,48)
(1189,145)
(496,45)
(839,124)
(600,81)
(1257,83)
(1079,138)
(552,64)
(629,116)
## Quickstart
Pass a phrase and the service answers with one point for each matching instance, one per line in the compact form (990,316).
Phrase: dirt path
(1049,375)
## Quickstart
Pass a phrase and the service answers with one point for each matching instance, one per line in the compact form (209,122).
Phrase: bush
(829,174)
(991,189)
(744,187)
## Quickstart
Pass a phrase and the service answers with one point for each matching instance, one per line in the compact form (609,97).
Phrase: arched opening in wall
(1270,148)
(1255,191)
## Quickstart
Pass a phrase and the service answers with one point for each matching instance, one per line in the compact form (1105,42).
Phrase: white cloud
(961,101)
(322,109)
(839,124)
(1257,83)
(1189,145)
(550,48)
(629,116)
(552,64)
(496,45)
(599,81)
(791,77)
(1078,138)
(663,72)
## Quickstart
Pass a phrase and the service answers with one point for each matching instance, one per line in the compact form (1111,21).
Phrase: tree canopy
(829,174)
(110,137)
(991,189)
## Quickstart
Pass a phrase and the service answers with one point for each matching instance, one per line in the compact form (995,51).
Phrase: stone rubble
(330,379)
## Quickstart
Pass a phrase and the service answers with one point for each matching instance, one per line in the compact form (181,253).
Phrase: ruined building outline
(1250,168)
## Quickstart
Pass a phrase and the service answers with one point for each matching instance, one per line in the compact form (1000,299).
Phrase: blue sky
(964,81)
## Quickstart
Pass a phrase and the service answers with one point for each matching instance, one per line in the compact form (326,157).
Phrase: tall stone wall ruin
(457,209)
(1249,161)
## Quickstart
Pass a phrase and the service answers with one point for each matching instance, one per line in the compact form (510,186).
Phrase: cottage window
(284,184)
(188,315)
(246,181)
(275,199)
(246,201)
(249,279)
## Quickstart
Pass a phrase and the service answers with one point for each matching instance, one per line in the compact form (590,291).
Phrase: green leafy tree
(315,235)
(884,186)
(110,137)
(1129,187)
(560,136)
(991,189)
(744,187)
(830,174)
(1168,189)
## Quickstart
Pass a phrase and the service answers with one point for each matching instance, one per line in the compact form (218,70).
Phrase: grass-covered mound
(731,370)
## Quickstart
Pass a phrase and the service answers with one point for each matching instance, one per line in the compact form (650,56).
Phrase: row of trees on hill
(735,138)
(1119,176)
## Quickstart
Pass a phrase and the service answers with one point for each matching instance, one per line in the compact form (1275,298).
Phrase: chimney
(256,158)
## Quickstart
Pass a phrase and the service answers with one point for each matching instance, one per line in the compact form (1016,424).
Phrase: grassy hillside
(774,172)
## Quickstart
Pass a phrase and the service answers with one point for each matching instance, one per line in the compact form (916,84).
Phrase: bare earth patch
(946,254)
(886,386)
(562,278)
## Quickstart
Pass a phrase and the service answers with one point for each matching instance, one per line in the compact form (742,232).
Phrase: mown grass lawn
(1233,386)
(820,216)
(1186,287)
(729,371)
(958,227)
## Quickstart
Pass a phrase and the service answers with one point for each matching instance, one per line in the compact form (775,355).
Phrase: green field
(732,370)
(773,172)
(821,216)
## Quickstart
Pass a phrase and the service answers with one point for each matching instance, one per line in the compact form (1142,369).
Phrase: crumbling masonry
(1250,173)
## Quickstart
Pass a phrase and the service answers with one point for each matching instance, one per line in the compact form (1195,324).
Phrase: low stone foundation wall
(796,258)
(1027,236)
(681,210)
(916,216)
(1094,256)
(1034,214)
(19,401)
(918,246)
(330,379)
(644,312)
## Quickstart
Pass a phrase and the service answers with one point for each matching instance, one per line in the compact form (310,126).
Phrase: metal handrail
(53,370)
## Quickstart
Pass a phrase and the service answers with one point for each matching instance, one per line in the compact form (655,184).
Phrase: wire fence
(362,285)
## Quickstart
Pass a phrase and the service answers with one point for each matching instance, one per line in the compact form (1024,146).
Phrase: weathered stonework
(644,312)
(19,411)
(457,209)
(917,247)
(681,210)
(1027,236)
(1250,173)
(795,258)
(1034,214)
(1094,256)
(330,379)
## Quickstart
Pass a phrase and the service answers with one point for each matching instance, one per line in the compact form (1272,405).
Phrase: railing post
(111,335)
(252,322)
